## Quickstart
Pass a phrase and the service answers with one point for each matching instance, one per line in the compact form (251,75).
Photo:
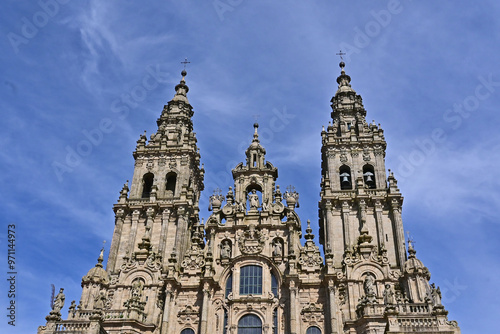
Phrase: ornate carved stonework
(251,241)
(312,314)
(188,315)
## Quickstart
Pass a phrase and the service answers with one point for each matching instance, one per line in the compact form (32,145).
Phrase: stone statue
(225,250)
(389,295)
(277,248)
(435,295)
(137,289)
(240,206)
(368,285)
(265,205)
(59,301)
(254,200)
(100,300)
(178,129)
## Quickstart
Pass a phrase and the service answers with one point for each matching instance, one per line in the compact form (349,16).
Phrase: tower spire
(343,80)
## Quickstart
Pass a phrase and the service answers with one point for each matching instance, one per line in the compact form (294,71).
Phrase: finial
(101,255)
(255,134)
(309,235)
(341,64)
(411,250)
(185,62)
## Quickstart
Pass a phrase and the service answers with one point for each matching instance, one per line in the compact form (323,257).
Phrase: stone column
(204,310)
(380,223)
(400,237)
(133,231)
(345,221)
(333,310)
(293,308)
(163,232)
(166,311)
(116,241)
(181,232)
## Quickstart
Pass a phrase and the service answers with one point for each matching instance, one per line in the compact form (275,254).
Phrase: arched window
(170,184)
(345,177)
(229,285)
(250,324)
(147,184)
(187,331)
(313,330)
(274,285)
(251,280)
(369,176)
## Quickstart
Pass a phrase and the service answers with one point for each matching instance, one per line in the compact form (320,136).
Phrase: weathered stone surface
(167,271)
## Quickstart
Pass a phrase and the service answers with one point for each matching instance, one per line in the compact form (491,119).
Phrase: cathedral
(245,270)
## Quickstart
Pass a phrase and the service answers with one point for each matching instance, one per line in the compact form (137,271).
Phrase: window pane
(187,331)
(251,280)
(229,285)
(274,285)
(313,330)
(250,324)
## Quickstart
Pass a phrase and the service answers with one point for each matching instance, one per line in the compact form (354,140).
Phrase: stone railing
(371,310)
(418,324)
(82,315)
(71,327)
(414,309)
(115,314)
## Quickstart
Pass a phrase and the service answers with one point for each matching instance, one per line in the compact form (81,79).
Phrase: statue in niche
(59,301)
(137,289)
(389,298)
(277,248)
(225,250)
(254,200)
(368,285)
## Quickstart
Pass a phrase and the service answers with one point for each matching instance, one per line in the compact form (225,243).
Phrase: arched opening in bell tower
(369,176)
(171,180)
(147,184)
(345,177)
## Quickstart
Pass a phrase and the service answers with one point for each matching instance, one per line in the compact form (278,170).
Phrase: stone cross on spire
(340,53)
(185,62)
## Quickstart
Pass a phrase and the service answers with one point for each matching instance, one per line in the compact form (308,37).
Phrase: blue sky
(427,71)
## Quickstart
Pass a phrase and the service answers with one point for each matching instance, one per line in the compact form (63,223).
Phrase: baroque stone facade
(245,269)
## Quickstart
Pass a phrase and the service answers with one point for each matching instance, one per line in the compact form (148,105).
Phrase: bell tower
(165,190)
(356,200)
(373,286)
